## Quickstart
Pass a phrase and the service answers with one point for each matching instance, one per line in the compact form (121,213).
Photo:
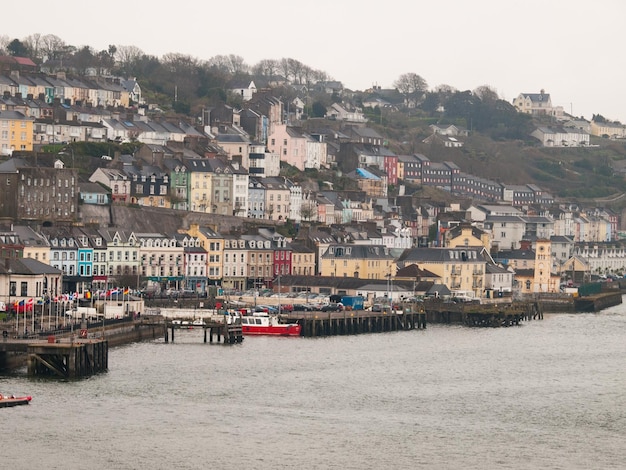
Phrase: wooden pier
(69,360)
(229,333)
(483,315)
(355,322)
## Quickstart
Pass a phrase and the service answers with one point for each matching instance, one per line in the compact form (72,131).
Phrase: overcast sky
(571,49)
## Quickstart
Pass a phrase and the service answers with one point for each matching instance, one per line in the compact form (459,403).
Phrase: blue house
(93,193)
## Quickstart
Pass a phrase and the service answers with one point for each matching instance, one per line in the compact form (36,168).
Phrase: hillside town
(261,223)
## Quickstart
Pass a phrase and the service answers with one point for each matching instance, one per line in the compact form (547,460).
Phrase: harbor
(84,352)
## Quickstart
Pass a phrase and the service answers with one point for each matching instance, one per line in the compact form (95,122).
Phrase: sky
(572,50)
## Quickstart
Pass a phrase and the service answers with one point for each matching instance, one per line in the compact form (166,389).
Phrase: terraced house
(358,261)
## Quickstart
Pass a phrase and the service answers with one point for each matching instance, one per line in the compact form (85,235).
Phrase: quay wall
(117,335)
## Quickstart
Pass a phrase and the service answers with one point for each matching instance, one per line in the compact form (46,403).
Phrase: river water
(548,394)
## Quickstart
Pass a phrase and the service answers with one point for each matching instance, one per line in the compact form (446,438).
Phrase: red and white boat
(12,400)
(264,324)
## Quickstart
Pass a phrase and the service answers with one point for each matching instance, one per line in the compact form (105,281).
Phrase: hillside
(574,174)
(499,146)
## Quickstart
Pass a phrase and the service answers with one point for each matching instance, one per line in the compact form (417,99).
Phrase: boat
(265,324)
(12,400)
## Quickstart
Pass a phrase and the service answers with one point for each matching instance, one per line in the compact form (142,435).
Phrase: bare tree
(266,68)
(237,64)
(297,70)
(126,56)
(412,86)
(221,63)
(285,68)
(308,210)
(486,93)
(4,42)
(180,62)
(33,43)
(445,89)
(229,64)
(53,47)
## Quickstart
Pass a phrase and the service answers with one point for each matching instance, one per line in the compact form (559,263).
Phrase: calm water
(549,394)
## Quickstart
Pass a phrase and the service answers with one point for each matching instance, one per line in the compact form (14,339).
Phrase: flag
(126,291)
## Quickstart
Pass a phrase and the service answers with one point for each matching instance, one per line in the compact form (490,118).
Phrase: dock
(61,358)
(483,315)
(355,322)
(69,360)
(229,333)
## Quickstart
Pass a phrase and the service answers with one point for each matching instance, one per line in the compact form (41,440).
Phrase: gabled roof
(27,266)
(445,255)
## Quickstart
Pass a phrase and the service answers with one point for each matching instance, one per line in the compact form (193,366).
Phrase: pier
(355,322)
(61,358)
(485,315)
(229,333)
(68,360)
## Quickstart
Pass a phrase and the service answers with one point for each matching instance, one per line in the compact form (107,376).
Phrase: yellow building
(200,186)
(35,245)
(358,261)
(462,269)
(465,235)
(302,260)
(213,243)
(16,132)
(610,129)
(533,269)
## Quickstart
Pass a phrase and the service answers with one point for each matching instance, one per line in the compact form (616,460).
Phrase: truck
(352,302)
(89,312)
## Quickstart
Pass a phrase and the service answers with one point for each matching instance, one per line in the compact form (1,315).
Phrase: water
(549,394)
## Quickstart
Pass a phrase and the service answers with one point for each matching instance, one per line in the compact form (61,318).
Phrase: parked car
(302,308)
(332,308)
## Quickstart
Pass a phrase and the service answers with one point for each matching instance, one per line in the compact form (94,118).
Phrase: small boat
(264,324)
(12,400)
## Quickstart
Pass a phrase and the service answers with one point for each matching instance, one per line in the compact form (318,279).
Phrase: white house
(561,137)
